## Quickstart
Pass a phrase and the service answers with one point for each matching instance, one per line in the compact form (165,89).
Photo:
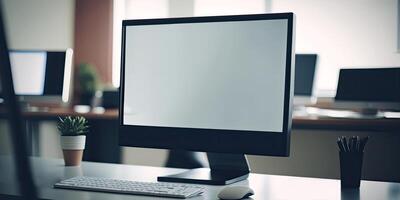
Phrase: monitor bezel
(213,140)
(65,95)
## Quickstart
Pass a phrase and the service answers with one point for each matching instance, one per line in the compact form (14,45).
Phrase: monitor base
(206,176)
(369,112)
(224,169)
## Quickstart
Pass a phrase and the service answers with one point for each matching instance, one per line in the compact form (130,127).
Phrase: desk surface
(49,171)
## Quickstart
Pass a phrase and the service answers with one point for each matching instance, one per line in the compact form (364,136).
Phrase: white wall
(39,24)
(345,33)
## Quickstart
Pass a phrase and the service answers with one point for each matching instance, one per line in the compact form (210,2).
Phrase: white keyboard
(131,187)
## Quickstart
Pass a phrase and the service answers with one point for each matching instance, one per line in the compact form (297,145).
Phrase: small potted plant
(73,130)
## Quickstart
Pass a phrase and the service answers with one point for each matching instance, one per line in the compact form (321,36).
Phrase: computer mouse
(235,192)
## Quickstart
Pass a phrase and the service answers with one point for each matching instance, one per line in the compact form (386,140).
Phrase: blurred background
(343,33)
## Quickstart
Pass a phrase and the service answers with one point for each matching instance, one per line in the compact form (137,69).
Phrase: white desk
(49,171)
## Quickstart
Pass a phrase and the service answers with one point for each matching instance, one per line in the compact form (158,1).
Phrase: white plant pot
(73,147)
(73,142)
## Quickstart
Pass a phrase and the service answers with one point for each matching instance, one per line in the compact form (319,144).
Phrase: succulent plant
(72,126)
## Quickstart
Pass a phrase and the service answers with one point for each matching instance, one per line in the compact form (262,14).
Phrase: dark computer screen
(53,84)
(304,74)
(45,69)
(379,85)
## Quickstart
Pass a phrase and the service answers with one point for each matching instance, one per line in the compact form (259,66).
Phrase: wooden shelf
(381,124)
(108,114)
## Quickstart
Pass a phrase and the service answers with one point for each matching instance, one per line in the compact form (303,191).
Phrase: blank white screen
(225,75)
(28,72)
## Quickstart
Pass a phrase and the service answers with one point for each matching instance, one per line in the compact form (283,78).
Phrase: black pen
(350,144)
(340,144)
(353,143)
(345,144)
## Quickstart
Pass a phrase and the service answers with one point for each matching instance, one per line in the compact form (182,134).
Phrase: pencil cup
(350,169)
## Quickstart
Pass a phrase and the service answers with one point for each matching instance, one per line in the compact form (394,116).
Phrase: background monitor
(215,84)
(305,68)
(369,88)
(49,77)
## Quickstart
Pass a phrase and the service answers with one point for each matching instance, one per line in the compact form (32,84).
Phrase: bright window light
(228,7)
(141,9)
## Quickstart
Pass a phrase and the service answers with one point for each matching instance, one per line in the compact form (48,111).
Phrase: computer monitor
(49,79)
(305,68)
(221,85)
(368,89)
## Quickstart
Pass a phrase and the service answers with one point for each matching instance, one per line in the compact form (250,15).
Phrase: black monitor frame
(213,140)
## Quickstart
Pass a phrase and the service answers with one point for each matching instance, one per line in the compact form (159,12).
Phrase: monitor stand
(224,169)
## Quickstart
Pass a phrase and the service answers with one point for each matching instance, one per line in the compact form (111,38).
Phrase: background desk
(299,122)
(52,113)
(102,140)
(267,187)
(313,145)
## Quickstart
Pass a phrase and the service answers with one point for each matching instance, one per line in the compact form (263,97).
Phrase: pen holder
(350,169)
